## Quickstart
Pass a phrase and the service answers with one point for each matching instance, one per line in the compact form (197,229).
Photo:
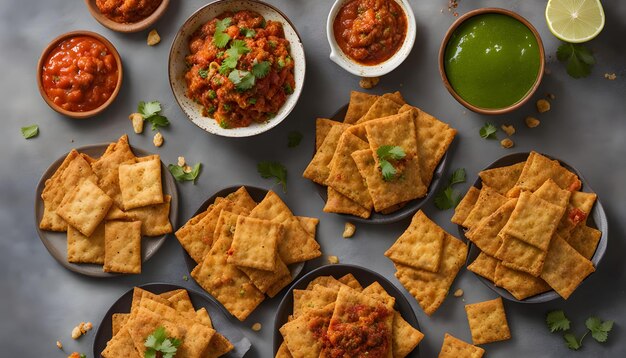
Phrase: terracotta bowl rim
(127,27)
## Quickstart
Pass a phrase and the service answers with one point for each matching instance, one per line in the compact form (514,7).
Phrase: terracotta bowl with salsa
(237,67)
(127,15)
(79,74)
(370,38)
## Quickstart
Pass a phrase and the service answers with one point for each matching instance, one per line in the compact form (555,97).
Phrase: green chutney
(492,60)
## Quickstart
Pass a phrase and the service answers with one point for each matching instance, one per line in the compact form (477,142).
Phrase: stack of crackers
(329,311)
(427,260)
(243,248)
(530,222)
(106,205)
(346,158)
(172,310)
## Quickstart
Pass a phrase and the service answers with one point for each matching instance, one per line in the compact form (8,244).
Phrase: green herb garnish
(447,197)
(261,69)
(30,131)
(488,131)
(220,38)
(203,73)
(275,170)
(179,174)
(557,321)
(252,100)
(293,139)
(288,89)
(243,80)
(579,59)
(247,32)
(159,342)
(386,153)
(150,112)
(212,94)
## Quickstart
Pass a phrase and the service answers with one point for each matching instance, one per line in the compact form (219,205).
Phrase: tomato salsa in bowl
(127,15)
(370,37)
(79,74)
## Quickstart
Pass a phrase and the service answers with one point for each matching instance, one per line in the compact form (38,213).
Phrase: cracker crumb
(137,121)
(369,82)
(256,327)
(158,139)
(59,345)
(181,161)
(187,169)
(153,38)
(531,122)
(543,106)
(507,143)
(610,76)
(458,293)
(508,129)
(333,260)
(348,230)
(76,333)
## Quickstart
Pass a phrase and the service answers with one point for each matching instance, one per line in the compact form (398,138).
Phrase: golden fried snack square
(318,169)
(140,183)
(309,224)
(341,204)
(326,281)
(318,297)
(383,107)
(283,351)
(485,266)
(455,348)
(396,97)
(182,304)
(465,206)
(538,169)
(85,250)
(301,335)
(585,240)
(565,268)
(85,207)
(155,219)
(107,168)
(189,239)
(322,127)
(487,203)
(121,345)
(351,281)
(583,201)
(122,251)
(255,243)
(520,284)
(218,346)
(118,320)
(263,279)
(502,179)
(487,321)
(485,235)
(242,198)
(553,194)
(145,322)
(359,104)
(518,255)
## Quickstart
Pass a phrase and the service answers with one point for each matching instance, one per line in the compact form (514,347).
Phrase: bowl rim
(383,68)
(44,56)
(444,44)
(274,121)
(127,27)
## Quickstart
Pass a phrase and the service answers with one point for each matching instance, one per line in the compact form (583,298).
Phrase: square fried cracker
(116,213)
(107,168)
(396,97)
(242,198)
(434,137)
(465,206)
(585,240)
(358,106)
(518,255)
(318,169)
(538,169)
(383,107)
(502,179)
(155,219)
(255,243)
(485,266)
(297,244)
(322,127)
(420,246)
(553,194)
(455,348)
(283,351)
(263,279)
(203,317)
(429,288)
(73,171)
(122,251)
(520,284)
(341,204)
(309,224)
(118,320)
(85,207)
(121,345)
(565,268)
(377,291)
(326,281)
(85,250)
(140,183)
(534,220)
(485,235)
(168,294)
(583,201)
(190,241)
(218,346)
(405,337)
(182,304)
(139,294)
(487,203)
(301,335)
(196,342)
(146,322)
(279,285)
(351,281)
(318,297)
(487,321)
(344,175)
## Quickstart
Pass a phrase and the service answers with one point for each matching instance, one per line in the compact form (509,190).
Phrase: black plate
(365,278)
(409,209)
(257,194)
(220,318)
(597,219)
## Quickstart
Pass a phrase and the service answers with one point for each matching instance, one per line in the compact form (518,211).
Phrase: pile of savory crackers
(530,222)
(338,315)
(243,248)
(106,205)
(346,159)
(172,310)
(427,260)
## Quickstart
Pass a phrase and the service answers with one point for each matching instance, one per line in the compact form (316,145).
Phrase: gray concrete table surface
(42,301)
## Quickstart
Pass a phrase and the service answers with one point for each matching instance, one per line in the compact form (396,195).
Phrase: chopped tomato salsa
(80,74)
(576,215)
(127,11)
(370,31)
(240,69)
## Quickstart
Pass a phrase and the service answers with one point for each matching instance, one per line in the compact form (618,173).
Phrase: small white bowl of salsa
(370,38)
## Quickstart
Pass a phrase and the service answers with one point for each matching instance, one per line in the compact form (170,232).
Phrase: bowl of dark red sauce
(79,74)
(370,38)
(127,15)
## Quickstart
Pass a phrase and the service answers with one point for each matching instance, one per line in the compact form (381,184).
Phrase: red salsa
(127,11)
(370,31)
(80,74)
(240,69)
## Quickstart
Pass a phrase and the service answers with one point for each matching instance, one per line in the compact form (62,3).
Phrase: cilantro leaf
(557,321)
(599,330)
(150,353)
(275,170)
(458,176)
(247,32)
(243,80)
(159,342)
(488,131)
(221,25)
(261,69)
(220,39)
(571,341)
(387,170)
(30,131)
(446,199)
(579,59)
(157,121)
(148,109)
(179,174)
(390,152)
(293,139)
(239,46)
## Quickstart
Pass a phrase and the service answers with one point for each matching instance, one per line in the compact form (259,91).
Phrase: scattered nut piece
(81,329)
(543,106)
(531,122)
(550,96)
(458,293)
(85,327)
(187,169)
(137,120)
(181,161)
(256,327)
(76,333)
(507,143)
(333,260)
(508,129)
(59,345)
(610,76)
(153,38)
(158,139)
(369,82)
(349,230)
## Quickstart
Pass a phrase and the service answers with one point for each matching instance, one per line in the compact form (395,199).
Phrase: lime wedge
(575,21)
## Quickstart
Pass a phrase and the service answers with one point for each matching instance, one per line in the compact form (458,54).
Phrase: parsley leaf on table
(159,342)
(30,131)
(488,131)
(293,139)
(448,198)
(158,121)
(599,330)
(579,59)
(150,112)
(457,177)
(386,153)
(572,342)
(275,170)
(243,80)
(557,321)
(179,174)
(261,69)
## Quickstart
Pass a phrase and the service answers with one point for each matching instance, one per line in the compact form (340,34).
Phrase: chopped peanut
(59,345)
(81,329)
(348,230)
(187,169)
(508,129)
(158,139)
(369,82)
(507,143)
(256,327)
(531,122)
(137,121)
(333,260)
(543,106)
(458,293)
(181,161)
(153,38)
(76,333)
(610,76)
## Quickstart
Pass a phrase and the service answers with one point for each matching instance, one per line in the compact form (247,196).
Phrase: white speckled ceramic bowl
(180,49)
(340,58)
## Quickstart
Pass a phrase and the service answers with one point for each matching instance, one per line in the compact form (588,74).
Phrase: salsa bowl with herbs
(236,67)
